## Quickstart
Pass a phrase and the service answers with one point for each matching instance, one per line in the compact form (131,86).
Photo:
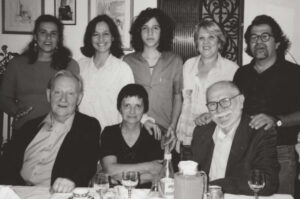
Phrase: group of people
(115,108)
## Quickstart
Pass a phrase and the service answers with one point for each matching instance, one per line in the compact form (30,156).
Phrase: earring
(35,46)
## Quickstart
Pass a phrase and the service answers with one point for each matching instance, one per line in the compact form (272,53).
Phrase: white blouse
(101,88)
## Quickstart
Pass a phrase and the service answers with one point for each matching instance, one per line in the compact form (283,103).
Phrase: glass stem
(129,193)
(256,195)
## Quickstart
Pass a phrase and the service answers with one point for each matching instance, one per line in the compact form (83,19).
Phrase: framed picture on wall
(121,11)
(18,16)
(65,10)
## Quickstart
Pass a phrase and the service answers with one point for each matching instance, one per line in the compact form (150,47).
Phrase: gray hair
(66,73)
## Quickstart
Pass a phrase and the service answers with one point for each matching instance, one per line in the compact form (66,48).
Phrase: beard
(260,51)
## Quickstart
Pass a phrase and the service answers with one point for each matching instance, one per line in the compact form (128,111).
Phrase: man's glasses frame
(224,103)
(263,37)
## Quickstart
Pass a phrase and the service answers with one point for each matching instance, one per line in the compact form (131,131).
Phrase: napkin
(7,193)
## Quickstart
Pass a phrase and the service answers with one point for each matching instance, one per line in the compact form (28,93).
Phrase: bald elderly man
(227,149)
(58,150)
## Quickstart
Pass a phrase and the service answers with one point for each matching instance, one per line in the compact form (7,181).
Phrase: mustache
(222,114)
(259,46)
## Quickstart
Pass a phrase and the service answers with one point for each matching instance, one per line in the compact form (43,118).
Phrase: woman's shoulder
(73,66)
(121,64)
(19,60)
(228,63)
(111,131)
(84,61)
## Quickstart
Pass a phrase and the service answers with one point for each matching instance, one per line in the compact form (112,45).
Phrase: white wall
(73,33)
(285,12)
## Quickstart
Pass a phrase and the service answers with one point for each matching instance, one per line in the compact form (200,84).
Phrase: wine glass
(130,180)
(256,181)
(101,183)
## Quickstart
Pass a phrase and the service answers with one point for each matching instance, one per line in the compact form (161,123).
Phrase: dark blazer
(76,158)
(250,149)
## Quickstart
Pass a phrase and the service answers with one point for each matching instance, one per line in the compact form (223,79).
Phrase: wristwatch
(278,121)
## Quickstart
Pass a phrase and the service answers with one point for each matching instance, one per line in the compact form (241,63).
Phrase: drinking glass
(256,181)
(101,183)
(130,180)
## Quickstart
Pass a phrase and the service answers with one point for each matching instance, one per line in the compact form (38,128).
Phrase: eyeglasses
(264,37)
(224,103)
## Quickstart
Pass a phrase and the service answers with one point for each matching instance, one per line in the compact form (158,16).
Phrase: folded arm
(147,170)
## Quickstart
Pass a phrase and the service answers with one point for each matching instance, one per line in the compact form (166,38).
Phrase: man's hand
(152,128)
(203,119)
(62,185)
(262,120)
(170,139)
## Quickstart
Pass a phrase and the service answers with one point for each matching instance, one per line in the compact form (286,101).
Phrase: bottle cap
(188,167)
(168,156)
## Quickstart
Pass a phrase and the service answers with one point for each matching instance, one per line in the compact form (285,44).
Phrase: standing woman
(199,73)
(156,68)
(103,73)
(22,93)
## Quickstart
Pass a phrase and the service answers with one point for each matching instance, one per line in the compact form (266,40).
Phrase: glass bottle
(167,177)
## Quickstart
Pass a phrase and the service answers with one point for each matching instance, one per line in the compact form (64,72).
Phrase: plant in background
(7,56)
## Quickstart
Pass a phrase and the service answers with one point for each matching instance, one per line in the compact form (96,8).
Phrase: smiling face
(47,37)
(225,117)
(64,96)
(263,50)
(208,43)
(132,109)
(151,33)
(102,38)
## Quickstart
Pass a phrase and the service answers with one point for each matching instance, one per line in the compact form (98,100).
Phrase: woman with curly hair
(157,68)
(103,73)
(22,93)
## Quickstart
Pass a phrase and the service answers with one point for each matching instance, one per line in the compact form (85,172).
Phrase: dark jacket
(251,149)
(76,158)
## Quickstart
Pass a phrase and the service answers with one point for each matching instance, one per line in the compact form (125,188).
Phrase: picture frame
(121,11)
(65,11)
(18,16)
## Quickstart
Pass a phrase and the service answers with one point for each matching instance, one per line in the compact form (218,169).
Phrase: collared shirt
(162,85)
(101,88)
(194,92)
(221,152)
(275,92)
(41,153)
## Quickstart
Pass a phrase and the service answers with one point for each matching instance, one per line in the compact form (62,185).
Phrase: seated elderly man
(59,149)
(228,148)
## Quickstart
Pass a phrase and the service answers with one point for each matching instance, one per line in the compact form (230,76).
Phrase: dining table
(119,192)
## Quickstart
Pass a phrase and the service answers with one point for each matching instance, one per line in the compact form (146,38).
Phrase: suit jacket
(76,158)
(251,149)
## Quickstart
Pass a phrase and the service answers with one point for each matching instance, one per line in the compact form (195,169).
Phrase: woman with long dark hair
(22,93)
(103,73)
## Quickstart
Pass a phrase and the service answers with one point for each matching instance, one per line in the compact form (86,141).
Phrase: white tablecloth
(43,193)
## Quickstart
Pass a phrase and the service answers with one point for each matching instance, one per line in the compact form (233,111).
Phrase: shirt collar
(50,124)
(220,135)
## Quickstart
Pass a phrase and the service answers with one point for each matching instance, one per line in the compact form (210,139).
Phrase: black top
(275,92)
(145,149)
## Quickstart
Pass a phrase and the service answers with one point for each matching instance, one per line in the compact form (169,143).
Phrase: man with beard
(228,149)
(271,86)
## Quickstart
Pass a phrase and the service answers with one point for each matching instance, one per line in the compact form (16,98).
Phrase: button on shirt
(41,153)
(221,152)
